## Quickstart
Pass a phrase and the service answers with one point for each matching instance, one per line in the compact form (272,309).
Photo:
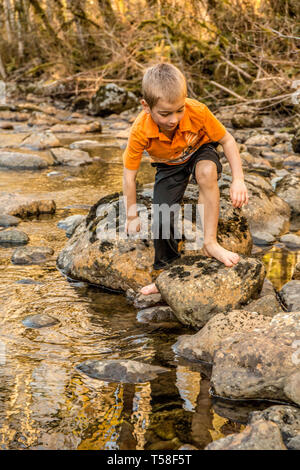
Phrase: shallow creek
(45,402)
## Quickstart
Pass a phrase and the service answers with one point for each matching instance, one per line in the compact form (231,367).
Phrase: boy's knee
(206,172)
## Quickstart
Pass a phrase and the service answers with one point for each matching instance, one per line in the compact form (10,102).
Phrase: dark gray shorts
(205,152)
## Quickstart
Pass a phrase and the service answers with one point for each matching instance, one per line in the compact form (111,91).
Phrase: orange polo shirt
(197,127)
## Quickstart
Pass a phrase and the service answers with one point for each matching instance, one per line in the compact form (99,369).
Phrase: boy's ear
(145,106)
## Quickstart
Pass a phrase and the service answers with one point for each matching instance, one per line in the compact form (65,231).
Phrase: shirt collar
(152,130)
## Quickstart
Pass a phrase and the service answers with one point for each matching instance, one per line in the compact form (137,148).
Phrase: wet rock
(282,148)
(260,140)
(291,240)
(39,321)
(22,161)
(156,314)
(40,119)
(111,99)
(13,237)
(86,144)
(240,121)
(267,305)
(288,189)
(203,345)
(12,140)
(187,447)
(290,295)
(31,255)
(263,238)
(267,288)
(196,288)
(145,301)
(98,252)
(294,443)
(41,141)
(71,223)
(262,364)
(292,162)
(14,116)
(261,435)
(296,141)
(28,281)
(287,418)
(296,273)
(9,220)
(120,370)
(77,128)
(76,157)
(265,209)
(6,125)
(25,206)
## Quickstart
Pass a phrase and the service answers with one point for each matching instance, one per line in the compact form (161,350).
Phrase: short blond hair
(163,81)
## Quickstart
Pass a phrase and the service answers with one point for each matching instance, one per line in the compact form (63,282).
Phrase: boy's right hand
(133,225)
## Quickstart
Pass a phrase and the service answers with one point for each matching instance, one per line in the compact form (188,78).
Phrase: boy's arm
(238,190)
(129,192)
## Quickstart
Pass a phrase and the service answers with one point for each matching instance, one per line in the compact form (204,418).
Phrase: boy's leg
(170,184)
(206,176)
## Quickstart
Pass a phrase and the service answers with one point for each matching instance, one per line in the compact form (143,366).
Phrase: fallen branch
(227,90)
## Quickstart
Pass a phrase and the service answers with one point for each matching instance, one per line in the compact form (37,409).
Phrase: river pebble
(39,321)
(31,255)
(13,237)
(9,220)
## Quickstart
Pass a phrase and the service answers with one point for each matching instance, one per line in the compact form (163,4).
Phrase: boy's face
(166,115)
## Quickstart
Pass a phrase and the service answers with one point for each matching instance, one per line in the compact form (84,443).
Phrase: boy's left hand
(238,193)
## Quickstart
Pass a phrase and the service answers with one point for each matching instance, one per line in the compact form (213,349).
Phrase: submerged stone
(39,321)
(31,255)
(127,371)
(9,220)
(13,237)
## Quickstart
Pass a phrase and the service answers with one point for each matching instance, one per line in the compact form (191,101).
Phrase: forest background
(231,51)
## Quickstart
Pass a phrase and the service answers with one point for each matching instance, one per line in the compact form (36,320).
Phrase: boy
(180,135)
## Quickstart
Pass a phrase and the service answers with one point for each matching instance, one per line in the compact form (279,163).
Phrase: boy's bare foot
(150,289)
(217,251)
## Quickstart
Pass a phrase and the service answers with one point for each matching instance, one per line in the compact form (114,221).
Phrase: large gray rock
(22,161)
(203,345)
(265,210)
(41,141)
(288,189)
(9,220)
(261,364)
(267,305)
(287,419)
(32,255)
(13,237)
(290,295)
(111,99)
(120,370)
(261,435)
(97,252)
(199,287)
(70,223)
(25,206)
(69,157)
